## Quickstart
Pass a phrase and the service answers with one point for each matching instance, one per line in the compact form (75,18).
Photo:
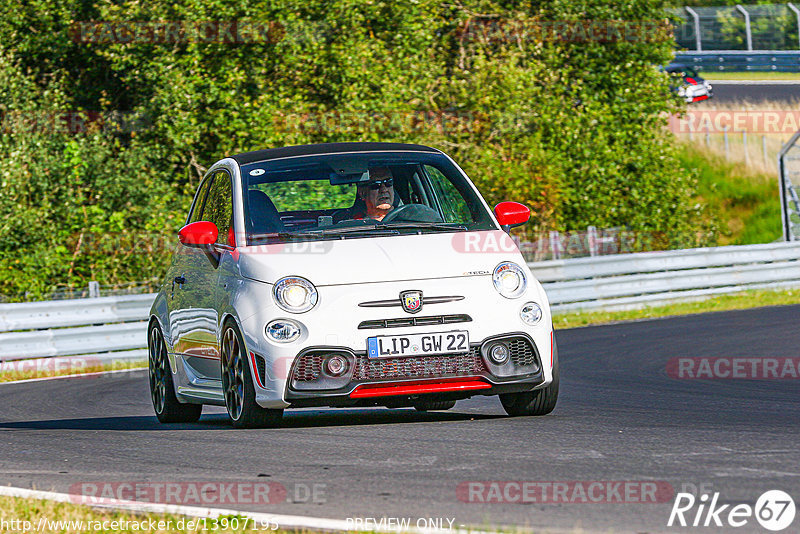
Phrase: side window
(454,207)
(219,206)
(199,199)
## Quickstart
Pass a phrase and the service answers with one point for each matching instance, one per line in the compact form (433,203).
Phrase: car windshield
(339,196)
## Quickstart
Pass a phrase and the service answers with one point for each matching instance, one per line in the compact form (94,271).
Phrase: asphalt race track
(619,418)
(731,92)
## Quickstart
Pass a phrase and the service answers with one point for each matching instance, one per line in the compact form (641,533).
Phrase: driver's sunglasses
(374,186)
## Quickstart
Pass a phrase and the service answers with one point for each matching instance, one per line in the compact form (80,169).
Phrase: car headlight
(509,280)
(282,331)
(295,294)
(531,313)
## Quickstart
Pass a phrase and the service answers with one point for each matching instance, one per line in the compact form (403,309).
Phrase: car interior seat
(264,216)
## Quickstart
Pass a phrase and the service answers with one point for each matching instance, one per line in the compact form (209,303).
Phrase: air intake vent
(419,367)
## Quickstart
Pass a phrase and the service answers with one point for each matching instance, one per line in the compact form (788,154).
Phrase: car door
(178,302)
(195,316)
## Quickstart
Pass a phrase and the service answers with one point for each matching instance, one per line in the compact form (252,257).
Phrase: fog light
(336,365)
(498,353)
(282,331)
(531,313)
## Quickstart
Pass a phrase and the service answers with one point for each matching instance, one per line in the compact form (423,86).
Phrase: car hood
(380,259)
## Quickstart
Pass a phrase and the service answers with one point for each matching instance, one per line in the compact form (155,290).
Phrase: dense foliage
(569,124)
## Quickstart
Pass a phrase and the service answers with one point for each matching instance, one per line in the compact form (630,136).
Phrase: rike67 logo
(774,510)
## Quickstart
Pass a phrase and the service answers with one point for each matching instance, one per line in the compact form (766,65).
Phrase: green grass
(749,75)
(745,203)
(35,510)
(735,301)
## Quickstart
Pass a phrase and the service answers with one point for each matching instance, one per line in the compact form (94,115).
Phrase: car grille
(522,353)
(308,367)
(419,367)
(414,321)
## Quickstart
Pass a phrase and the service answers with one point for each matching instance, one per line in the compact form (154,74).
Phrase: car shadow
(291,419)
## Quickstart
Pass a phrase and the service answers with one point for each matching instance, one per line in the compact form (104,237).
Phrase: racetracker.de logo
(763,121)
(490,242)
(182,493)
(566,492)
(46,367)
(727,368)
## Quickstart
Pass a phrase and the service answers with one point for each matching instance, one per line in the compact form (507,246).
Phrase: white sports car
(347,274)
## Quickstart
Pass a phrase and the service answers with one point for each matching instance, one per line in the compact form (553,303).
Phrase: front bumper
(399,381)
(339,324)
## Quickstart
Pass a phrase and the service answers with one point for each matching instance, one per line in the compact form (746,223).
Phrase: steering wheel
(413,212)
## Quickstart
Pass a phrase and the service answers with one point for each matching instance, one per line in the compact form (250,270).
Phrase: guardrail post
(708,136)
(94,289)
(591,237)
(555,244)
(747,28)
(797,14)
(698,40)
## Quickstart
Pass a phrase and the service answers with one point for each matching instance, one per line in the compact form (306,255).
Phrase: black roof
(327,148)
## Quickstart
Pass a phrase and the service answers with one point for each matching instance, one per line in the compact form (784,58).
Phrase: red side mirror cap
(512,214)
(199,234)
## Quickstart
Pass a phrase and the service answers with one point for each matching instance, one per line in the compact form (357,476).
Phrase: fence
(774,27)
(764,37)
(113,328)
(758,151)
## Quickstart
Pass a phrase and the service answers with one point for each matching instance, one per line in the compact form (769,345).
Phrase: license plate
(455,342)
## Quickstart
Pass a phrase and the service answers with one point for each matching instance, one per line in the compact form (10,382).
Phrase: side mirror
(511,214)
(200,234)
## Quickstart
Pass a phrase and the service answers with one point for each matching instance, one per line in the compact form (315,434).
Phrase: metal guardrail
(740,60)
(648,278)
(62,328)
(75,312)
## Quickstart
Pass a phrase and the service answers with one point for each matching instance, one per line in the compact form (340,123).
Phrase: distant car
(692,88)
(348,274)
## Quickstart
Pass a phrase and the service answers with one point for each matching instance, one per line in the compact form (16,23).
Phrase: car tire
(237,384)
(430,406)
(537,402)
(162,389)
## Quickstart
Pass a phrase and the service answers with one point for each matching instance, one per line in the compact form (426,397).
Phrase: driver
(377,194)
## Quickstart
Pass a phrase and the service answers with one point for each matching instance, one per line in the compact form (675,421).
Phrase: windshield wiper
(366,229)
(361,229)
(284,235)
(426,226)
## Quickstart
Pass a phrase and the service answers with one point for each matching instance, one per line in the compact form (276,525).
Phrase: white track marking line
(753,82)
(285,522)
